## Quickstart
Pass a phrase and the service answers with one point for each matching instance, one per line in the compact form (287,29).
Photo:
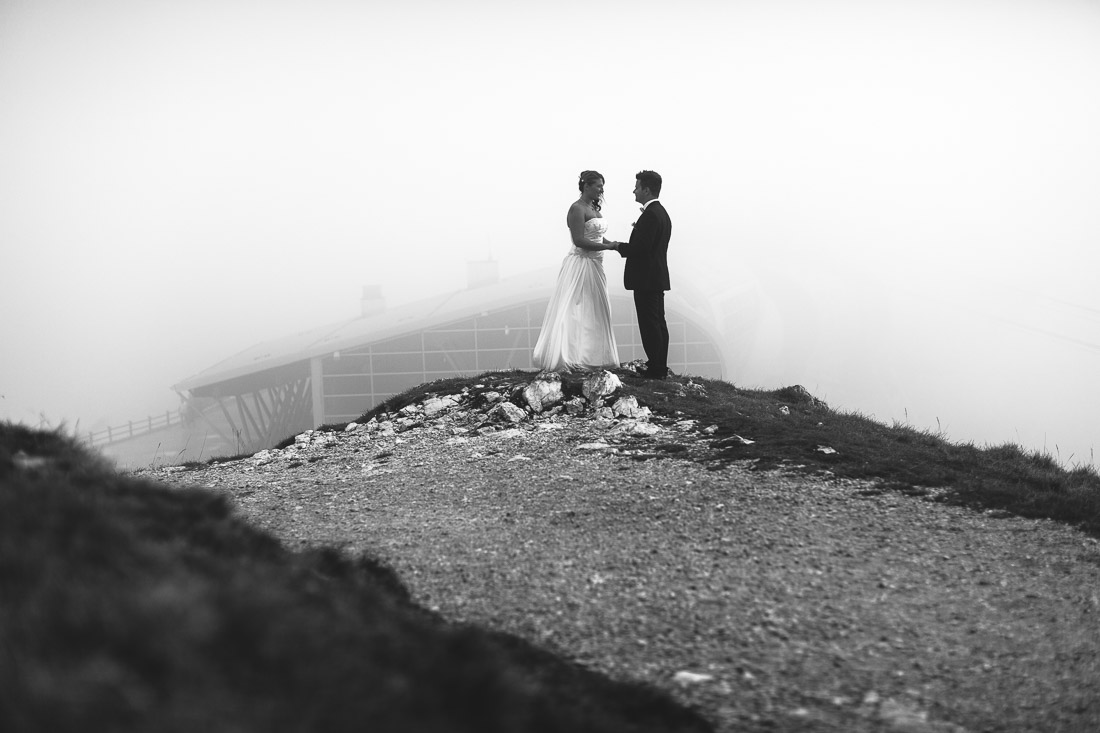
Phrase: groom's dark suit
(646,273)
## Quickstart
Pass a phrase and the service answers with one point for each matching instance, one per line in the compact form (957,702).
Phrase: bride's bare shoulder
(578,212)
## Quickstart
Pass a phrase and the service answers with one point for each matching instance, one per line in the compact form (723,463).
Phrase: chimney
(372,302)
(482,272)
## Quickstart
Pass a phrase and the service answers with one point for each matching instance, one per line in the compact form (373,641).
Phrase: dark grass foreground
(809,436)
(128,606)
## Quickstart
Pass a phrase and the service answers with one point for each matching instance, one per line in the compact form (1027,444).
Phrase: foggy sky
(907,191)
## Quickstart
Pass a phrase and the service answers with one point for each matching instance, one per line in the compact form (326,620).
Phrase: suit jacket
(647,251)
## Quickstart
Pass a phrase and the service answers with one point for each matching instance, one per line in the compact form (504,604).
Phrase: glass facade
(357,379)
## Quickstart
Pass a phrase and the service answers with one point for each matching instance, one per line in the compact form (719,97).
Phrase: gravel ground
(799,604)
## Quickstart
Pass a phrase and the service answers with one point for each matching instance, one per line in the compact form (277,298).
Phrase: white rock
(543,393)
(351,427)
(691,678)
(599,385)
(826,450)
(593,446)
(903,718)
(691,386)
(644,428)
(436,405)
(507,412)
(628,407)
(574,406)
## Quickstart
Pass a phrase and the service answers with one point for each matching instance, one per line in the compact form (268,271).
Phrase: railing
(134,429)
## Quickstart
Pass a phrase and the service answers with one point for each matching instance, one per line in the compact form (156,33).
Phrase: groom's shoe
(655,373)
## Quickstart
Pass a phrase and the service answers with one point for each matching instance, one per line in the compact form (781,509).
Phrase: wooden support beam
(234,439)
(244,425)
(254,443)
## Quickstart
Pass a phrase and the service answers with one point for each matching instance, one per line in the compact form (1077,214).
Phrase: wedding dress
(576,331)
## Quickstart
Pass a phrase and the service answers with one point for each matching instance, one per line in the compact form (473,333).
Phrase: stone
(732,441)
(574,406)
(628,407)
(543,393)
(599,385)
(436,405)
(691,678)
(691,387)
(26,462)
(507,412)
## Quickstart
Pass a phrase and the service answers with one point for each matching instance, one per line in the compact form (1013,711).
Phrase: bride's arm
(575,220)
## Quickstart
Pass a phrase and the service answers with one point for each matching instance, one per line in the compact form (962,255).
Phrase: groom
(646,271)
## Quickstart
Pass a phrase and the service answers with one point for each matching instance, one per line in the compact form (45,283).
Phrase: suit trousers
(650,306)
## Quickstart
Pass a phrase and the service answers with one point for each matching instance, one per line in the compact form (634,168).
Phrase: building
(334,374)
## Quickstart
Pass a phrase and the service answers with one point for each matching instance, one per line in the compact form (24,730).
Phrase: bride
(576,331)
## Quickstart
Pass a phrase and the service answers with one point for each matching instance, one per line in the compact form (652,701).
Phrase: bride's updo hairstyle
(587,177)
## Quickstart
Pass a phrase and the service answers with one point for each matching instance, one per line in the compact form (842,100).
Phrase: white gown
(576,331)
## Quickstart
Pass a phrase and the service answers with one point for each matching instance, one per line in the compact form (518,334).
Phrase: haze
(905,193)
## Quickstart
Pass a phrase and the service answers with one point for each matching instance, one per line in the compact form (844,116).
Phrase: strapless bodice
(594,229)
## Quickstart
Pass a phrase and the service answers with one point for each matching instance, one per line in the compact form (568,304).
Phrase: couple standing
(576,332)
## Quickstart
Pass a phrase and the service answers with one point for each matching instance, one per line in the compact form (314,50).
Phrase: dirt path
(808,605)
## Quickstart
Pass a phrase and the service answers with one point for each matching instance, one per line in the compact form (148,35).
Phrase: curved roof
(433,311)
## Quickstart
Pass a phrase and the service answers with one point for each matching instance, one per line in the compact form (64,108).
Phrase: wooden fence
(134,429)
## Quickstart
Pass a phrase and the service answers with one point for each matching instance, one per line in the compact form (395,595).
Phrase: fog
(906,191)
